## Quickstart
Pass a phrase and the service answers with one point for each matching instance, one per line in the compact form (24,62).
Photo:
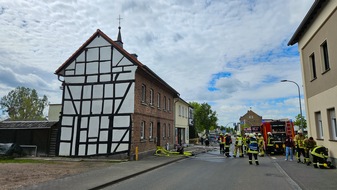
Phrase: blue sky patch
(216,77)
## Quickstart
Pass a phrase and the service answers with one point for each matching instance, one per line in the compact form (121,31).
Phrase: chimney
(134,55)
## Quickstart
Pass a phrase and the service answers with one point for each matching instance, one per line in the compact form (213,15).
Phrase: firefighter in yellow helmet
(221,141)
(260,140)
(253,149)
(228,142)
(270,143)
(245,145)
(238,145)
(299,144)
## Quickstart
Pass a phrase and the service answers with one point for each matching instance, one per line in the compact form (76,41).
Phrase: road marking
(292,183)
(274,158)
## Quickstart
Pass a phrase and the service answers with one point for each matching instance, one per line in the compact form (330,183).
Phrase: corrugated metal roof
(27,124)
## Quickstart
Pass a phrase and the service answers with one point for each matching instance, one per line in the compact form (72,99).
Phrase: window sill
(313,79)
(144,103)
(326,71)
(142,140)
(319,139)
(333,140)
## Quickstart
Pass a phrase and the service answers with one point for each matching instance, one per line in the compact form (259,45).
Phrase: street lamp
(229,123)
(299,100)
(235,126)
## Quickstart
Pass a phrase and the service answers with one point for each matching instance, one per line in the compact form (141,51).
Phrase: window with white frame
(332,123)
(164,131)
(191,113)
(319,126)
(165,103)
(169,130)
(151,97)
(142,130)
(158,100)
(151,130)
(143,93)
(179,110)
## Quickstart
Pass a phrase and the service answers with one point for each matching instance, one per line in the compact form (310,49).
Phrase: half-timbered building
(112,103)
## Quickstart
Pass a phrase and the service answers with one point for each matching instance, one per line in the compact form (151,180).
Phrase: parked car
(213,138)
(10,149)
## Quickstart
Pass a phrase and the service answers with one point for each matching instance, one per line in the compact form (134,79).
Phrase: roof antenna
(119,37)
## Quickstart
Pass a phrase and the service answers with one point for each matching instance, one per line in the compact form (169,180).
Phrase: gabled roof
(315,9)
(182,100)
(27,124)
(250,112)
(130,57)
(81,49)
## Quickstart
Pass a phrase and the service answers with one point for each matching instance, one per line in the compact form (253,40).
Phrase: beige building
(181,121)
(317,44)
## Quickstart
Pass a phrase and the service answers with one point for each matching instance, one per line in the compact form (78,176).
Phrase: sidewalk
(308,177)
(118,172)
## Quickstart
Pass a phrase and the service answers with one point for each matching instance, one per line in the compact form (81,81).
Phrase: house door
(158,134)
(179,136)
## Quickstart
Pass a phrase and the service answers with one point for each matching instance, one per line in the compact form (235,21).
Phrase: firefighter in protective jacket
(253,149)
(238,145)
(260,140)
(270,143)
(320,155)
(221,141)
(228,142)
(309,145)
(299,144)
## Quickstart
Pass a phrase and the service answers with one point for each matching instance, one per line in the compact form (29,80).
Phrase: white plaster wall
(181,121)
(95,74)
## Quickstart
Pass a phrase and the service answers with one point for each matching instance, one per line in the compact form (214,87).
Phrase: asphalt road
(206,170)
(213,171)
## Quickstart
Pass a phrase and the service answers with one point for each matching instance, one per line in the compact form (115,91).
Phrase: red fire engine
(279,129)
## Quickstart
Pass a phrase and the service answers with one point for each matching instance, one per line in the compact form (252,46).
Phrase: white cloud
(185,42)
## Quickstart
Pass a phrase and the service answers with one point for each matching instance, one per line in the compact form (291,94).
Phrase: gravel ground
(16,175)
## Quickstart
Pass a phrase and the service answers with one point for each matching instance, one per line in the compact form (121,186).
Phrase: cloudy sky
(231,54)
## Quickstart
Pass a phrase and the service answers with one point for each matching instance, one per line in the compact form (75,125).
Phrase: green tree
(24,104)
(204,117)
(227,129)
(300,119)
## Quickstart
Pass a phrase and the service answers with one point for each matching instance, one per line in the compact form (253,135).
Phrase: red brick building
(250,122)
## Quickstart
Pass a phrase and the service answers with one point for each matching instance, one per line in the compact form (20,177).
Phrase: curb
(135,174)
